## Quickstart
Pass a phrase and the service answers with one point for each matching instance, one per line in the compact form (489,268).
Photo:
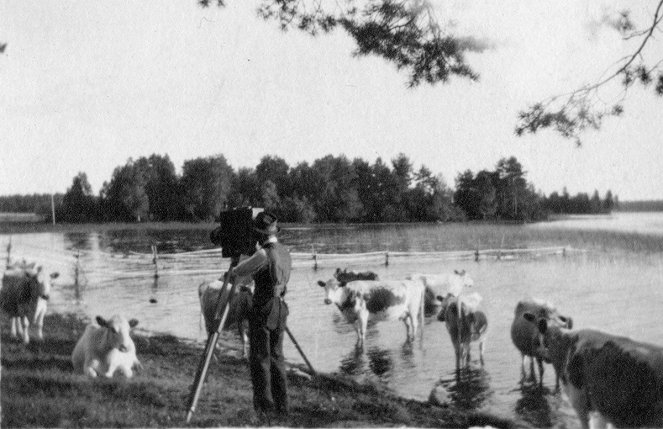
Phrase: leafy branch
(572,113)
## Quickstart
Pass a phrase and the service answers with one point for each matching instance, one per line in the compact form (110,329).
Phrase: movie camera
(235,232)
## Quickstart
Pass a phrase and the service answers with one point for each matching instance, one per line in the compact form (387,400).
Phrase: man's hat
(265,223)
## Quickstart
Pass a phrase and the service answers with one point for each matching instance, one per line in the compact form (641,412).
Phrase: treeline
(331,189)
(641,206)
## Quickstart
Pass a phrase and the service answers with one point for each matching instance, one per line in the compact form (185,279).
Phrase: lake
(617,291)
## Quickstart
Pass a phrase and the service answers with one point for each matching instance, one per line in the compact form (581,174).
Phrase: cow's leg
(532,373)
(580,404)
(481,352)
(26,329)
(597,421)
(38,321)
(363,322)
(539,362)
(16,329)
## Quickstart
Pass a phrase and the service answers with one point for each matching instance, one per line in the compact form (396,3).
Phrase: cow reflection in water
(379,361)
(539,406)
(467,388)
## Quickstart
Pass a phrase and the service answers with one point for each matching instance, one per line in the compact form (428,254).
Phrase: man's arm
(250,266)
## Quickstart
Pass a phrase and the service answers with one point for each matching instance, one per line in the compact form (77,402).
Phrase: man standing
(270,268)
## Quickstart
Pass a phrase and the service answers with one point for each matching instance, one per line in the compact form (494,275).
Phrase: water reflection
(538,405)
(380,362)
(375,361)
(467,388)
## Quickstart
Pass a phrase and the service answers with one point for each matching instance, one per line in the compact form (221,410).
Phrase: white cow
(608,379)
(24,297)
(377,300)
(238,314)
(106,348)
(525,335)
(437,285)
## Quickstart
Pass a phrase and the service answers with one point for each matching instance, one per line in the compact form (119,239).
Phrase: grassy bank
(39,389)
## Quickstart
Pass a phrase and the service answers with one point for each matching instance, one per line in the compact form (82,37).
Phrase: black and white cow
(609,379)
(344,277)
(24,296)
(377,300)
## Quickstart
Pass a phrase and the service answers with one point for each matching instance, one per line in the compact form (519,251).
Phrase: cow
(344,277)
(465,323)
(376,300)
(106,348)
(525,335)
(24,297)
(238,314)
(441,285)
(608,378)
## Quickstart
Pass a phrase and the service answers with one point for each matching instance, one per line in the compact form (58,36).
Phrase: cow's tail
(421,310)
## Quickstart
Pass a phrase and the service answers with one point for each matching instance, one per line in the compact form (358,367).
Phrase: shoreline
(40,389)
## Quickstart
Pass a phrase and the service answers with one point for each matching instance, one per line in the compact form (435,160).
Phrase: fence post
(155,258)
(564,251)
(386,258)
(9,251)
(315,259)
(476,255)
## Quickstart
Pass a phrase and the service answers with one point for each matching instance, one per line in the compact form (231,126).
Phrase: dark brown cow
(525,335)
(465,326)
(608,379)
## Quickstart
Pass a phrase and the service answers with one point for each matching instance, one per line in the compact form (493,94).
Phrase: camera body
(235,233)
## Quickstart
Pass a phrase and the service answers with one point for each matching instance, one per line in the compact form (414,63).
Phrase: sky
(87,85)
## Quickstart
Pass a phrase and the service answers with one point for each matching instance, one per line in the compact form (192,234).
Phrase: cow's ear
(568,322)
(456,272)
(529,317)
(338,270)
(102,322)
(321,283)
(440,298)
(55,275)
(133,323)
(461,273)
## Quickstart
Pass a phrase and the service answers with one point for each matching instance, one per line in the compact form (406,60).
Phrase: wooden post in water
(155,259)
(77,270)
(476,255)
(386,258)
(315,259)
(9,251)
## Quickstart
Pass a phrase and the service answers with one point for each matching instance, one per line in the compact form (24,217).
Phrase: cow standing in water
(609,379)
(437,285)
(360,301)
(24,297)
(465,324)
(525,335)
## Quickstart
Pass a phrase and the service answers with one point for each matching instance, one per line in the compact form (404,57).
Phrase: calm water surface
(619,293)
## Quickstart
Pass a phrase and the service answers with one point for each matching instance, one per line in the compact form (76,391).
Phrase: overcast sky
(88,85)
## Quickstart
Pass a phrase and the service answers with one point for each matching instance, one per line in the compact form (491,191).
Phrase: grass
(39,389)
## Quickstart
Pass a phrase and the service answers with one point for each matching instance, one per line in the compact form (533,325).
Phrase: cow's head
(461,279)
(334,291)
(117,332)
(550,341)
(40,282)
(446,302)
